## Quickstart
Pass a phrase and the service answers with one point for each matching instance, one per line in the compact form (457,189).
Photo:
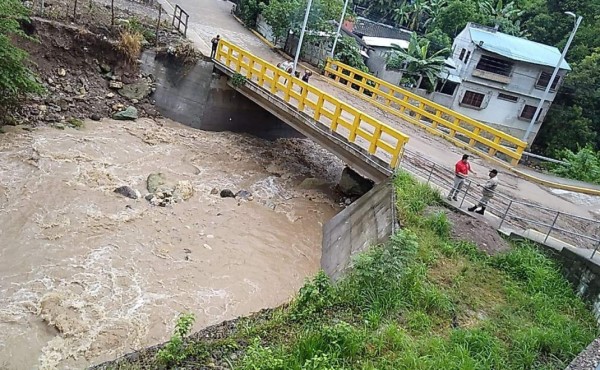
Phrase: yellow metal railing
(431,116)
(379,139)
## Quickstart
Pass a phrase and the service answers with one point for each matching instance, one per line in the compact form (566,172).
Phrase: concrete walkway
(211,17)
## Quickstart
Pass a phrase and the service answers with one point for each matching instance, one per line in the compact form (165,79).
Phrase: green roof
(517,48)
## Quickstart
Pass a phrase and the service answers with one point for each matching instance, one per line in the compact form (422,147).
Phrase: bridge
(366,144)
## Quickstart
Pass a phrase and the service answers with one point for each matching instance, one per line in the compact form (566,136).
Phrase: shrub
(583,165)
(16,79)
(174,351)
(130,44)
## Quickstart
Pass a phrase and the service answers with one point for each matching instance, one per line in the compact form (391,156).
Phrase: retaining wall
(366,222)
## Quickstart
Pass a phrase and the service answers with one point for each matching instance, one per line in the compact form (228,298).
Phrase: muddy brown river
(87,275)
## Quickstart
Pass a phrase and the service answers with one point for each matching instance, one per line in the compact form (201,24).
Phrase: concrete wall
(199,97)
(366,222)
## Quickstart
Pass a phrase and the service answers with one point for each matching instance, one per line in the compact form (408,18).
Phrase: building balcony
(491,76)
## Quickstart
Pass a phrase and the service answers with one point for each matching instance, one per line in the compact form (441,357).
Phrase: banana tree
(416,61)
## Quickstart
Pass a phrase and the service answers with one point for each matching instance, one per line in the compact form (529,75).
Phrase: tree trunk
(112,12)
(157,23)
(419,81)
(75,11)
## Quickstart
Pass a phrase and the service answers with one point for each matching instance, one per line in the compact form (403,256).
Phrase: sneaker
(471,209)
(456,200)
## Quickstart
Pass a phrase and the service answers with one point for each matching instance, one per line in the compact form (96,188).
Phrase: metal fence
(510,213)
(180,18)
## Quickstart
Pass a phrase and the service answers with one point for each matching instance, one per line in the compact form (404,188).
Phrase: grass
(420,301)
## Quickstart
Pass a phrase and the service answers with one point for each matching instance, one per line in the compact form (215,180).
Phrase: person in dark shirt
(215,44)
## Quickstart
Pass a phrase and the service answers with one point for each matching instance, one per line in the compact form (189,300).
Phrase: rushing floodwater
(87,275)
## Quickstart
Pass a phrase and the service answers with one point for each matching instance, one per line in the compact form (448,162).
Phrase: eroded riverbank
(87,275)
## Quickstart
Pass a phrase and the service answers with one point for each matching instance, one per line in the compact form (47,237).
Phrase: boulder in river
(154,181)
(128,191)
(226,193)
(130,113)
(244,194)
(183,190)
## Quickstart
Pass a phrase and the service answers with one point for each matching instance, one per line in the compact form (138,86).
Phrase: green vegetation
(238,80)
(16,79)
(582,165)
(174,351)
(417,61)
(420,301)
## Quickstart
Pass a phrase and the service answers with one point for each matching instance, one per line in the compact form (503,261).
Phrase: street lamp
(301,37)
(337,34)
(556,69)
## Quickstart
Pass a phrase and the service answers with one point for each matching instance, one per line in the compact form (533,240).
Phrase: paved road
(211,17)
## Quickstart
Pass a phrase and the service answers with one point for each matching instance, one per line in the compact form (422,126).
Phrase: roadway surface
(211,17)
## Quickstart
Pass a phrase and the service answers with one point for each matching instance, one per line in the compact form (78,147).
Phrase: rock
(110,95)
(226,193)
(105,68)
(128,192)
(149,197)
(43,108)
(214,191)
(130,113)
(183,190)
(118,107)
(59,126)
(353,184)
(244,194)
(154,181)
(50,81)
(134,101)
(62,72)
(313,183)
(137,90)
(115,85)
(96,117)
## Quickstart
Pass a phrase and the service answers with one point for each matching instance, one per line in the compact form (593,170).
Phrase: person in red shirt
(461,171)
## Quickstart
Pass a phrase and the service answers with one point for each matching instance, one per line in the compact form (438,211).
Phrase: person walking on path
(461,171)
(487,193)
(215,43)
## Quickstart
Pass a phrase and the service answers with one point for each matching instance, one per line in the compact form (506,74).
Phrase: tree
(418,62)
(347,51)
(439,41)
(280,14)
(503,16)
(16,79)
(454,17)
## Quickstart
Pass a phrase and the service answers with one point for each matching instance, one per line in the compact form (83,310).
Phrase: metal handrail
(440,175)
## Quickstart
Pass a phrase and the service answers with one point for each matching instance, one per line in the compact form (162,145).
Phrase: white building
(499,79)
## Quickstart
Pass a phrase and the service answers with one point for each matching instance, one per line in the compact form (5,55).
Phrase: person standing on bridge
(461,171)
(487,193)
(215,43)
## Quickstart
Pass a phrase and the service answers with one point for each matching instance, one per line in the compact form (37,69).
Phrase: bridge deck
(380,145)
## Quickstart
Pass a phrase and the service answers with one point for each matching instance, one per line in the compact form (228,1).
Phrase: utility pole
(337,34)
(301,37)
(556,69)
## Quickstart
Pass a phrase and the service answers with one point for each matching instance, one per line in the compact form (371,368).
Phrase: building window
(528,112)
(462,54)
(543,80)
(467,57)
(495,65)
(511,98)
(473,99)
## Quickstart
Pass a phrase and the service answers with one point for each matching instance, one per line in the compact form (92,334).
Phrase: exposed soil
(475,230)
